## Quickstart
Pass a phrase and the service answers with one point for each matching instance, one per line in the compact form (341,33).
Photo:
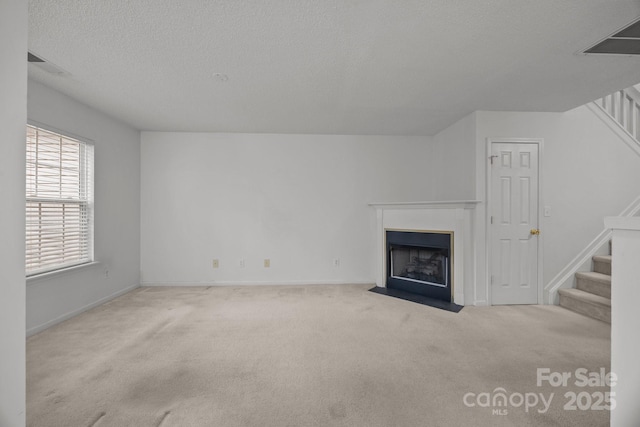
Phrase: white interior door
(514,223)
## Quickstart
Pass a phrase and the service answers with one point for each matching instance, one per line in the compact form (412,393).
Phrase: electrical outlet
(267,263)
(336,262)
(241,263)
(216,263)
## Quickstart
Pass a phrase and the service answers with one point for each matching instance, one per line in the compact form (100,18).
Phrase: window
(59,208)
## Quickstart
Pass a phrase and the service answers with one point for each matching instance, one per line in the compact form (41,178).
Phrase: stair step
(586,303)
(602,264)
(595,283)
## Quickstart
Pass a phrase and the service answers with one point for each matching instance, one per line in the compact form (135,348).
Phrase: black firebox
(420,263)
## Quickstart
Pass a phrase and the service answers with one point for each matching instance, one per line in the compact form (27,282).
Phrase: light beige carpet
(304,356)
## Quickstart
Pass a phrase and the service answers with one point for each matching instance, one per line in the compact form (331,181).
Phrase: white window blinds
(59,208)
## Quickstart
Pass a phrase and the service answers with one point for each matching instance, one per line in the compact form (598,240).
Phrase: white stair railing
(623,106)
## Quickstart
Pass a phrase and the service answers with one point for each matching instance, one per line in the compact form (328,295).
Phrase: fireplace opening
(420,263)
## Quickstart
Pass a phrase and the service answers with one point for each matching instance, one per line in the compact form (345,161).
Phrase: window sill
(62,272)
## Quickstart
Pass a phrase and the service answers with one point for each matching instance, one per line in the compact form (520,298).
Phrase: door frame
(489,199)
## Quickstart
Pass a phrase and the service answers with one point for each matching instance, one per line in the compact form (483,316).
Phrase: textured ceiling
(327,66)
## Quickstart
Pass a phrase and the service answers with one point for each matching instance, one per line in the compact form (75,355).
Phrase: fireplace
(420,263)
(454,221)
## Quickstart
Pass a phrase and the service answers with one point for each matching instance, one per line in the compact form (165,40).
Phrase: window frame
(87,180)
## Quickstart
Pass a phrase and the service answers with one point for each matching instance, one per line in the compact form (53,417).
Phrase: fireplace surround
(454,219)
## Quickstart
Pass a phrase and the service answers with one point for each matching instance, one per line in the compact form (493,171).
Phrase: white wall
(299,200)
(587,173)
(13,118)
(454,152)
(117,211)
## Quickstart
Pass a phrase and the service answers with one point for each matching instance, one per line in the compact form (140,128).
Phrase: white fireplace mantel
(447,215)
(438,204)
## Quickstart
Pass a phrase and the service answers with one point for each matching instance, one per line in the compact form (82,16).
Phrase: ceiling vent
(45,65)
(624,42)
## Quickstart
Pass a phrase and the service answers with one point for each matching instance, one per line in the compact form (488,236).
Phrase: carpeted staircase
(592,294)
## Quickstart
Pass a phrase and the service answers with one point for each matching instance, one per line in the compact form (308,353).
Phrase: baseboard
(582,261)
(564,279)
(615,127)
(263,283)
(74,313)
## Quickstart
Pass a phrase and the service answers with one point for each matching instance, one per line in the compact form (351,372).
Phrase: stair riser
(594,311)
(598,288)
(602,267)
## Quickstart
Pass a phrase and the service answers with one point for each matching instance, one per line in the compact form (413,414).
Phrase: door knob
(535,232)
